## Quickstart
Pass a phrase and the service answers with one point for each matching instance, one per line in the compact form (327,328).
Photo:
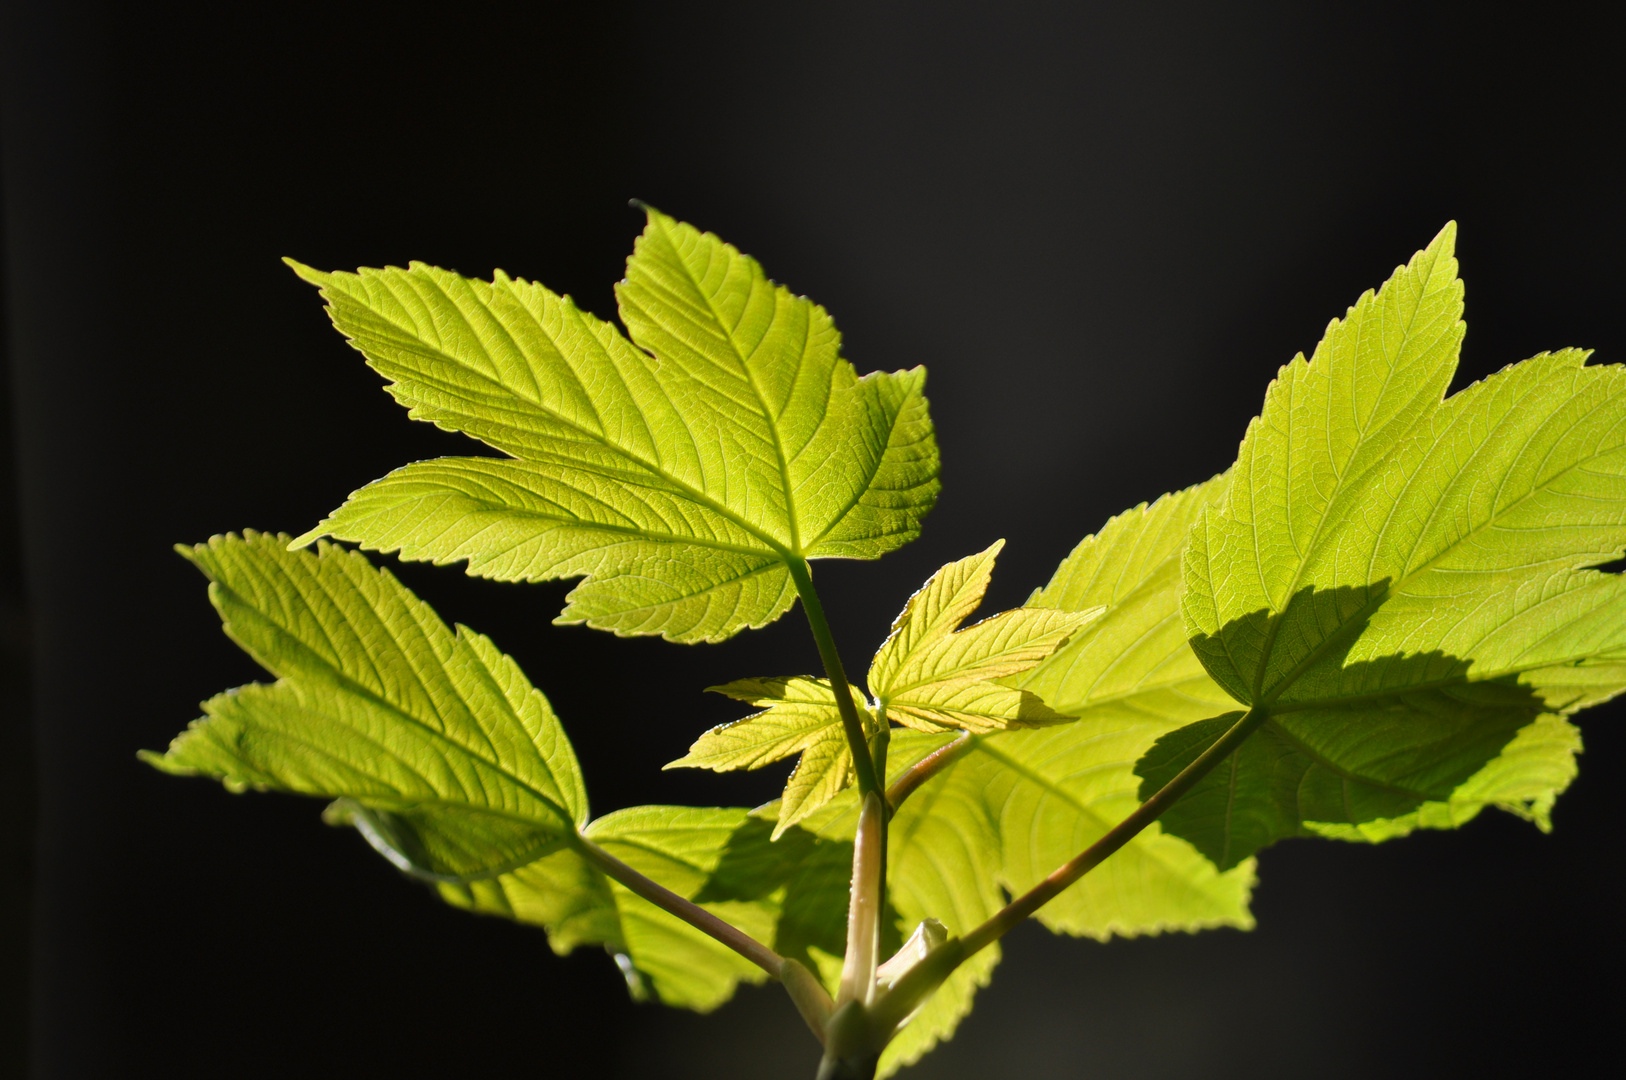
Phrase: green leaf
(721,858)
(1525,780)
(1401,580)
(436,748)
(926,674)
(379,702)
(931,676)
(800,716)
(680,473)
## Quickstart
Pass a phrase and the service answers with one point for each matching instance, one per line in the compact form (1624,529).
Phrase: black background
(1101,226)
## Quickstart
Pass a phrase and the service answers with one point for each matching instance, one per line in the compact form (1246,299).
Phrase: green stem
(854,728)
(926,976)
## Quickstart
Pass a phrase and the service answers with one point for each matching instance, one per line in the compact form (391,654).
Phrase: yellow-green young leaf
(799,716)
(681,473)
(1401,580)
(379,702)
(929,675)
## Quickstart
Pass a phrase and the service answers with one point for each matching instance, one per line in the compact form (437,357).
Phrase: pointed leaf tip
(820,463)
(310,274)
(1404,579)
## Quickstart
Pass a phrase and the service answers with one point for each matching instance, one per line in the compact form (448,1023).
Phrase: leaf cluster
(1394,590)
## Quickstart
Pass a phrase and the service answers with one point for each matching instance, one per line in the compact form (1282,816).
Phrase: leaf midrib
(350,685)
(1371,606)
(751,380)
(510,511)
(692,492)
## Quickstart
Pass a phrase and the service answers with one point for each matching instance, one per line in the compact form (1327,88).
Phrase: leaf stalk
(687,910)
(928,767)
(920,982)
(863,906)
(805,992)
(802,576)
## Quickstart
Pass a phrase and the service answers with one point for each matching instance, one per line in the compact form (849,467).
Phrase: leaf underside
(680,470)
(1402,581)
(435,746)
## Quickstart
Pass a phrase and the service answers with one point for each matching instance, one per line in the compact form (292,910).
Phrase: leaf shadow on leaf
(810,875)
(1346,742)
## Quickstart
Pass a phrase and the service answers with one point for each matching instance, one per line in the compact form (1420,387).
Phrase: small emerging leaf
(801,717)
(930,675)
(927,675)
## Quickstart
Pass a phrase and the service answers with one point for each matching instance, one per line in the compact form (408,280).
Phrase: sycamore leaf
(681,473)
(379,702)
(799,716)
(439,751)
(929,675)
(926,675)
(1400,580)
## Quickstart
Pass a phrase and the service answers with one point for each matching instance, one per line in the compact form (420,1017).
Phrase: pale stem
(863,906)
(925,977)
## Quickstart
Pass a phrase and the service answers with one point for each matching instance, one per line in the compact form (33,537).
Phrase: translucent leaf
(1402,581)
(931,675)
(434,746)
(926,675)
(379,702)
(800,717)
(680,473)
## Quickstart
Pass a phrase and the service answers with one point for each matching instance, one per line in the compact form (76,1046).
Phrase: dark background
(1102,227)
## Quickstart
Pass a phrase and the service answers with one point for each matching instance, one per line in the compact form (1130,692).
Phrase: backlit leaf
(436,748)
(927,675)
(681,473)
(1401,580)
(378,701)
